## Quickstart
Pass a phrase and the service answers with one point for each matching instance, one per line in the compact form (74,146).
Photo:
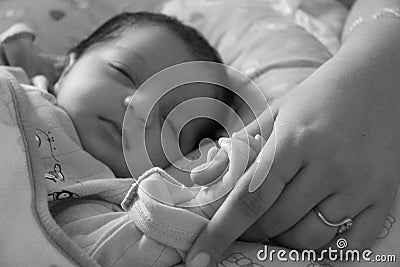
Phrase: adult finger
(263,124)
(308,233)
(311,232)
(242,208)
(365,229)
(300,195)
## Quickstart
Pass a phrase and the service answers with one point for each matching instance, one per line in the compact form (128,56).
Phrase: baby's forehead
(163,33)
(158,45)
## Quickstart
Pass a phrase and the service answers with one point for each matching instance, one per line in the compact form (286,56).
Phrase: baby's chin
(110,154)
(140,164)
(116,163)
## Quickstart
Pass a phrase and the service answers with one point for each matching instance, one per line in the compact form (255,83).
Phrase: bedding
(23,196)
(277,44)
(27,233)
(60,24)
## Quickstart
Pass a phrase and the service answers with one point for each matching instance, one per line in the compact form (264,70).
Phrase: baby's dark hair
(113,28)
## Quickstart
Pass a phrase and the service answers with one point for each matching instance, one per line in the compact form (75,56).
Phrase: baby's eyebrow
(140,56)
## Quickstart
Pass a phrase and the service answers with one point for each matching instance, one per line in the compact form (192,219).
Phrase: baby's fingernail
(260,139)
(202,259)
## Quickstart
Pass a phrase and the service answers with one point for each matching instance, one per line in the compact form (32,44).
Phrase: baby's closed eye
(124,72)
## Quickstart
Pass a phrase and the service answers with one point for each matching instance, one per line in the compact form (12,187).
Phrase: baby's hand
(218,160)
(222,170)
(216,165)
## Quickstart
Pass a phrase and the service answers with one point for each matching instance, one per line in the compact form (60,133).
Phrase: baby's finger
(256,143)
(210,171)
(218,160)
(41,82)
(211,153)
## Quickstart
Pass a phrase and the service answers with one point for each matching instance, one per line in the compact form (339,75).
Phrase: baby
(112,63)
(78,129)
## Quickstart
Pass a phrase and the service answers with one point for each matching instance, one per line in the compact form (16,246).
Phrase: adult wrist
(383,13)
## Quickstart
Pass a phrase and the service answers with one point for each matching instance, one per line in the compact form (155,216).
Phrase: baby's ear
(70,61)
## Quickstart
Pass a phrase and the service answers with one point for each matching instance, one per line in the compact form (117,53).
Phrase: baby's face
(94,89)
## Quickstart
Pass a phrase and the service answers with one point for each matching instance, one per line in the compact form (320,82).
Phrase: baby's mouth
(118,127)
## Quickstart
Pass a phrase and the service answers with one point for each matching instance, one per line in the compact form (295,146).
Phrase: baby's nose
(127,100)
(141,110)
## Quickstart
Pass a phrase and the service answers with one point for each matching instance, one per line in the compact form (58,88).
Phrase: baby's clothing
(84,195)
(158,220)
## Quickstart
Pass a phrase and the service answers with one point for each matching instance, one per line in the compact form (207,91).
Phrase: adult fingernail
(202,259)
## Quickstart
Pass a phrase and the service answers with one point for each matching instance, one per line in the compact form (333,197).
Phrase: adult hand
(335,146)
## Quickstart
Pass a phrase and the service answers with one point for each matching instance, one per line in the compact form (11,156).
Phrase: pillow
(274,42)
(60,24)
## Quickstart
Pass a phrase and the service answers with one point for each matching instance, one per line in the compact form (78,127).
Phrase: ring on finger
(343,225)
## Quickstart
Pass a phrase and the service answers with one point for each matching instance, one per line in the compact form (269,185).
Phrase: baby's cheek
(150,147)
(137,160)
(168,150)
(134,148)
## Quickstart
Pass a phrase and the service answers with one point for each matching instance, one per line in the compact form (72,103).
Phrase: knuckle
(305,136)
